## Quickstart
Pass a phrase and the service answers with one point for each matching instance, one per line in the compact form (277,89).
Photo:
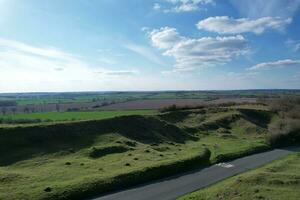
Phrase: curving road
(176,186)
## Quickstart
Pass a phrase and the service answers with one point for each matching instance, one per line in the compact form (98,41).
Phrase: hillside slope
(80,159)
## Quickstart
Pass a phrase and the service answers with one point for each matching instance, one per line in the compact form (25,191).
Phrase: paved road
(176,186)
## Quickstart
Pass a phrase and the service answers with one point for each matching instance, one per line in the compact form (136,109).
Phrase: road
(176,186)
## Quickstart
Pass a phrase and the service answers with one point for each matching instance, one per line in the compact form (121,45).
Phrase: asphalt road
(176,186)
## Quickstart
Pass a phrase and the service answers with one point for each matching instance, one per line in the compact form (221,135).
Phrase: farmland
(69,116)
(85,97)
(162,103)
(87,101)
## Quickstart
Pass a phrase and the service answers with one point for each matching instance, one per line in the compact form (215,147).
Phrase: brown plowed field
(162,103)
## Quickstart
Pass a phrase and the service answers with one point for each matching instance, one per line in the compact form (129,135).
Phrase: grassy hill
(79,159)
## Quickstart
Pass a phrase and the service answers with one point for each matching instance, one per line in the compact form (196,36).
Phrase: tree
(3,110)
(57,107)
(14,110)
(26,110)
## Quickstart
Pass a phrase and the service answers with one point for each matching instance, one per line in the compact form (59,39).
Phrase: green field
(74,116)
(278,180)
(79,159)
(81,97)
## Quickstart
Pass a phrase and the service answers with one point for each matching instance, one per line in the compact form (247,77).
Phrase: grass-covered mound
(79,159)
(74,160)
(25,142)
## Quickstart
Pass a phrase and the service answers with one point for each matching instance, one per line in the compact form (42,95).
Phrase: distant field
(80,115)
(278,180)
(161,103)
(87,97)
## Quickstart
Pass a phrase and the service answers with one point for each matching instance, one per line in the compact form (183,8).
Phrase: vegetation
(277,180)
(23,118)
(79,159)
(81,97)
(286,129)
(7,103)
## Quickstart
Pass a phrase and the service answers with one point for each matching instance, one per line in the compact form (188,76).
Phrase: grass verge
(277,180)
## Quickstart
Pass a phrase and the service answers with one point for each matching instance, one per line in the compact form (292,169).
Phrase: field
(162,103)
(69,116)
(278,180)
(87,97)
(80,159)
(90,101)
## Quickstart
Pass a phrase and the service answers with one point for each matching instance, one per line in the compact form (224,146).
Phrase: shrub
(286,130)
(230,156)
(170,108)
(19,121)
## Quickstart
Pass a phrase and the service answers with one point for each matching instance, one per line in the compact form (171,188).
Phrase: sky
(142,45)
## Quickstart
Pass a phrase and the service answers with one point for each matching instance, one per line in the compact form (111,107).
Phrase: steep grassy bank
(79,159)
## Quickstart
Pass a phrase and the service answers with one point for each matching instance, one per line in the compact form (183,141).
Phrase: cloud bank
(180,6)
(227,25)
(276,64)
(266,8)
(191,53)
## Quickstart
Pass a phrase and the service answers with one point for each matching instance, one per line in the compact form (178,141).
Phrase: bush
(19,121)
(230,156)
(170,108)
(286,130)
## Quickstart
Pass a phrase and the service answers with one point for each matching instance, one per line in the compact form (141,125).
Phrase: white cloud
(165,38)
(292,44)
(184,7)
(226,25)
(276,64)
(190,53)
(156,6)
(240,75)
(266,8)
(145,52)
(119,72)
(180,6)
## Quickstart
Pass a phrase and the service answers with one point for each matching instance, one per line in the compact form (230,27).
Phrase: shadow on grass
(21,143)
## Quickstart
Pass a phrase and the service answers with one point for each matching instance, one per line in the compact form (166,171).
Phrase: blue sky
(100,45)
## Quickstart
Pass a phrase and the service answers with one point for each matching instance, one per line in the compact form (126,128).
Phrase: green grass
(68,166)
(78,159)
(277,180)
(80,115)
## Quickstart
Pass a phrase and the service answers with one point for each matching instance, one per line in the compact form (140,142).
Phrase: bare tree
(26,110)
(3,110)
(57,107)
(14,110)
